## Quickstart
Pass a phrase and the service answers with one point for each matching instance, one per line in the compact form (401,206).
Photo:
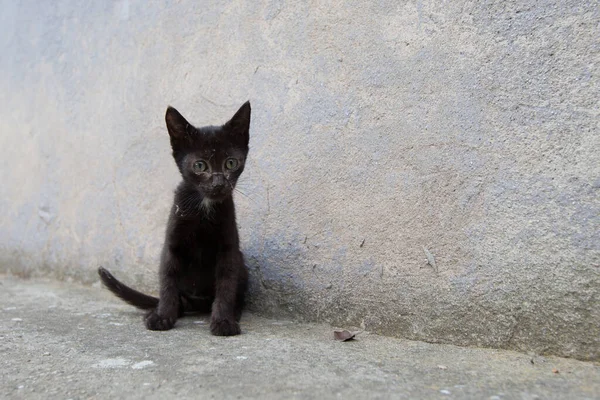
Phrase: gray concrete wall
(468,128)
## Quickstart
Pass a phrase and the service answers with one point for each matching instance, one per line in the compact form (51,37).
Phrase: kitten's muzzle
(220,187)
(219,192)
(218,181)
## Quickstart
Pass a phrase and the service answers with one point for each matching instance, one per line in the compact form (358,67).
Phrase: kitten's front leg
(164,316)
(230,265)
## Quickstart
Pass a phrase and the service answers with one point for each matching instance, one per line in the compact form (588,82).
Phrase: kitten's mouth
(217,196)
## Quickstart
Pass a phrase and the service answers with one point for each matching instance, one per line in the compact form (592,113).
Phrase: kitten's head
(210,158)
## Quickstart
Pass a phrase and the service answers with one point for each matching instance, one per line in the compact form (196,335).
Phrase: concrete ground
(65,341)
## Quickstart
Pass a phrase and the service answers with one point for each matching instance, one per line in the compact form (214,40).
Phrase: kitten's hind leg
(195,304)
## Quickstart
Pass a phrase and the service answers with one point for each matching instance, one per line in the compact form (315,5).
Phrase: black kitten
(201,264)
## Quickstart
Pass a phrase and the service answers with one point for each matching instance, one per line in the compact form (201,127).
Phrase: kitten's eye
(231,163)
(199,167)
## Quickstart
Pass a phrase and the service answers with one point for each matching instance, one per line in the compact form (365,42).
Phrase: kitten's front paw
(224,327)
(154,322)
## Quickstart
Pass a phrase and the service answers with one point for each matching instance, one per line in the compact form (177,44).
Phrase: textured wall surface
(380,129)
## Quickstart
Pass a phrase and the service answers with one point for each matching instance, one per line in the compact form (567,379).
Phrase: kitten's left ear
(240,123)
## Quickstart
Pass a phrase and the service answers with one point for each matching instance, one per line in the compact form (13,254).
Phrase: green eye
(199,167)
(231,163)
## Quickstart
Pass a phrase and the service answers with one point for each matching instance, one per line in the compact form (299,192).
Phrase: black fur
(202,268)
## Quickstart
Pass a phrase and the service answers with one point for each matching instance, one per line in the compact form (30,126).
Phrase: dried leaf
(430,259)
(343,335)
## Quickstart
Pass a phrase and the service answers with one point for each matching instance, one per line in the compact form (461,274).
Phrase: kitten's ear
(176,124)
(239,124)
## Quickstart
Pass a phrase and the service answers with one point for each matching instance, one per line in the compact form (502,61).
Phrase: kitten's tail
(125,293)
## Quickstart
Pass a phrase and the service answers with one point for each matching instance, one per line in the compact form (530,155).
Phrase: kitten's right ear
(176,124)
(239,124)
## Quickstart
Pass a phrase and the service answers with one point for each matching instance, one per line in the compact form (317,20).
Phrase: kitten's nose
(218,181)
